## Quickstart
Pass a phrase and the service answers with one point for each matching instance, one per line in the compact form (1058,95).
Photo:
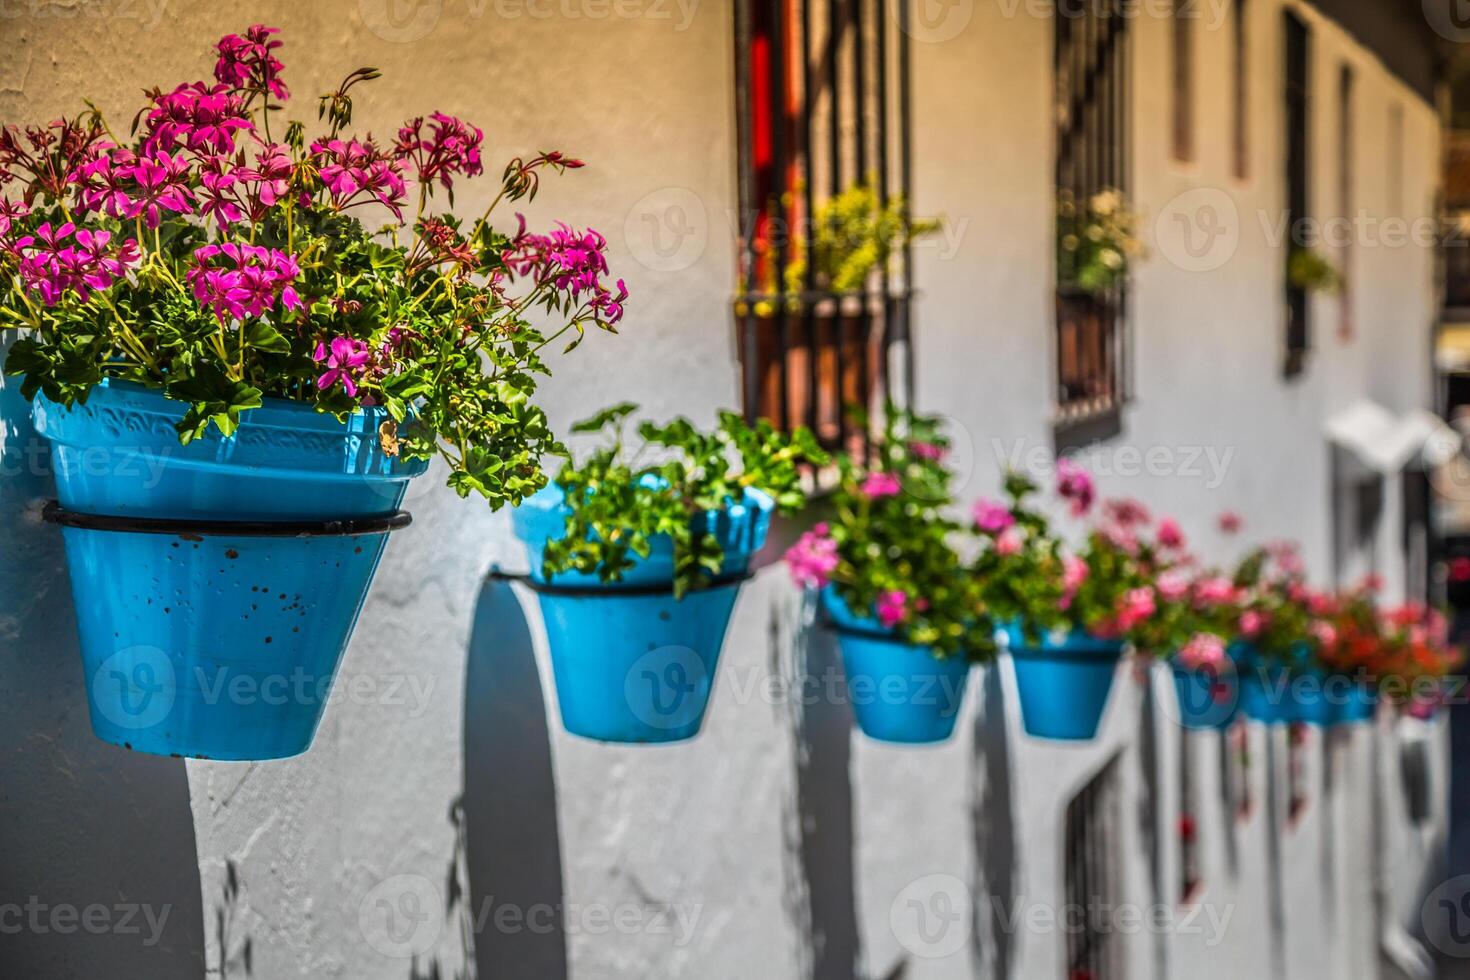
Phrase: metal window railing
(1298,308)
(1091,63)
(822,106)
(1092,862)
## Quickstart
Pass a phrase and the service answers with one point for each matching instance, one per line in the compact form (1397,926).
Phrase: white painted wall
(785,840)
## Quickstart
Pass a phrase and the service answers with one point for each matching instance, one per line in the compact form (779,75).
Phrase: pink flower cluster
(451,146)
(356,172)
(202,118)
(813,558)
(992,516)
(247,63)
(1204,651)
(879,485)
(256,280)
(570,261)
(55,260)
(127,186)
(892,608)
(1075,485)
(352,362)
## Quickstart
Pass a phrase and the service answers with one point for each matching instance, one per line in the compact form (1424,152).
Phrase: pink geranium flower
(1137,606)
(927,451)
(813,558)
(1229,522)
(345,360)
(1215,591)
(1171,536)
(247,63)
(1075,485)
(1252,623)
(449,147)
(992,516)
(1204,651)
(892,608)
(879,485)
(1008,543)
(1173,586)
(571,261)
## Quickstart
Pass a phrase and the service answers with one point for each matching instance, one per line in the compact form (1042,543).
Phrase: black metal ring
(612,589)
(871,633)
(192,528)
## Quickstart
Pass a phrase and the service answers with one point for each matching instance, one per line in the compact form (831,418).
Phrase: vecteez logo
(135,688)
(401,21)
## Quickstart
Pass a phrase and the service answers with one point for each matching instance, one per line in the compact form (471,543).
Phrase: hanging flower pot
(1208,697)
(217,583)
(899,691)
(910,617)
(633,621)
(243,351)
(1064,680)
(1314,695)
(1360,702)
(631,662)
(1264,685)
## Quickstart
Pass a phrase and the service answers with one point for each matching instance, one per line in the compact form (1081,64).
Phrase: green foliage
(854,234)
(1096,241)
(619,506)
(905,544)
(1308,269)
(1031,584)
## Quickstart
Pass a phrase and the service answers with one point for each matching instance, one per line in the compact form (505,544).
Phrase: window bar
(780,231)
(809,170)
(746,158)
(906,159)
(834,88)
(860,114)
(881,42)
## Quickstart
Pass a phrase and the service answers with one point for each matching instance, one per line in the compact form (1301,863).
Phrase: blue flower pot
(631,663)
(899,692)
(1264,686)
(208,645)
(1208,700)
(1312,698)
(1360,704)
(1064,682)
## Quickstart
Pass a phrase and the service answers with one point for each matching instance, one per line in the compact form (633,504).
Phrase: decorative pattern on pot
(217,584)
(1063,680)
(899,691)
(631,662)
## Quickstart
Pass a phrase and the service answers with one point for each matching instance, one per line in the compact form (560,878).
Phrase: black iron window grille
(1092,863)
(822,108)
(1091,60)
(1298,306)
(1190,865)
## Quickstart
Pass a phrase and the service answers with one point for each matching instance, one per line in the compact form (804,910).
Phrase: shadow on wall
(508,812)
(826,905)
(993,825)
(83,825)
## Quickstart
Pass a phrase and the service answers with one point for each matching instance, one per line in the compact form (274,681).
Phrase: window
(1240,104)
(1298,329)
(1183,43)
(1091,65)
(822,105)
(1345,198)
(1092,862)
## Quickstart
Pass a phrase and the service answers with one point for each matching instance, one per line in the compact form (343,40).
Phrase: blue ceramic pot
(1360,703)
(1208,700)
(1314,696)
(211,646)
(1064,682)
(631,663)
(899,692)
(1265,686)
